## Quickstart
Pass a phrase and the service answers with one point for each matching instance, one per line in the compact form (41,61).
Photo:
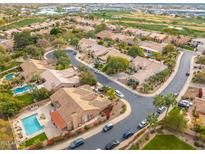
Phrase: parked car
(107,127)
(176,94)
(96,71)
(142,124)
(112,144)
(187,73)
(160,110)
(183,104)
(77,143)
(127,134)
(119,93)
(187,102)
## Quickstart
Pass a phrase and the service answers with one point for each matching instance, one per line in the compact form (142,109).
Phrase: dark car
(127,134)
(187,73)
(142,124)
(107,127)
(112,144)
(160,110)
(76,143)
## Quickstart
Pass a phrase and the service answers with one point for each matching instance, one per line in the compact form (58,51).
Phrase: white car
(96,71)
(119,93)
(188,102)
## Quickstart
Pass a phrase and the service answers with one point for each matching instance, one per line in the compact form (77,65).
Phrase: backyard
(35,140)
(167,142)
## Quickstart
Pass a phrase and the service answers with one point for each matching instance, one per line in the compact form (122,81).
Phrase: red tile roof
(58,120)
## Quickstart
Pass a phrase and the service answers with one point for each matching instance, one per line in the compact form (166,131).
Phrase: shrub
(86,127)
(134,147)
(40,94)
(87,77)
(199,77)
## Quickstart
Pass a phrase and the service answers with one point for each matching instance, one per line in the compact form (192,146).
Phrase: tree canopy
(87,77)
(175,120)
(100,28)
(34,51)
(55,31)
(136,51)
(23,39)
(116,65)
(9,105)
(63,60)
(167,101)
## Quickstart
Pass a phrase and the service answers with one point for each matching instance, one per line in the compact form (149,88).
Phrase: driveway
(141,106)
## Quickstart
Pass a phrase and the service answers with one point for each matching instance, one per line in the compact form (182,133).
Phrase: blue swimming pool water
(21,90)
(31,125)
(9,76)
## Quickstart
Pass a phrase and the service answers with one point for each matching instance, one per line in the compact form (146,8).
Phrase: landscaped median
(157,91)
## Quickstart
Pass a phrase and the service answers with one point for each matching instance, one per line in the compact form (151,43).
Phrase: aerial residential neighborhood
(102,76)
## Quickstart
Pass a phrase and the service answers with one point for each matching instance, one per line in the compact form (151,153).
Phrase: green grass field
(167,142)
(22,23)
(41,137)
(155,23)
(26,98)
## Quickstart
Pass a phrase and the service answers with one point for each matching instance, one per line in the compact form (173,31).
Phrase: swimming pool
(31,124)
(21,90)
(9,76)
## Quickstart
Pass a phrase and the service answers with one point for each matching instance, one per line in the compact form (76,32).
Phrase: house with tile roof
(75,107)
(55,79)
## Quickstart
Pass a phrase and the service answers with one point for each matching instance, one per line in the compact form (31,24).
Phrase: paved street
(141,106)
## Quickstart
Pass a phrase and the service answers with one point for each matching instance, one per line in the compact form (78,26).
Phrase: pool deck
(44,118)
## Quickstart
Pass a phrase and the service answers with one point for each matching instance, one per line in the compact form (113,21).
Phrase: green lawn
(41,137)
(26,98)
(167,142)
(22,23)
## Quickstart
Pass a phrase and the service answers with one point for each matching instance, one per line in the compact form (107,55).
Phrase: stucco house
(32,67)
(112,52)
(197,41)
(145,68)
(76,106)
(199,106)
(150,47)
(55,79)
(158,37)
(105,34)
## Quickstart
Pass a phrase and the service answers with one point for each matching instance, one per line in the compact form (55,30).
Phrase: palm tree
(167,101)
(159,101)
(152,120)
(170,100)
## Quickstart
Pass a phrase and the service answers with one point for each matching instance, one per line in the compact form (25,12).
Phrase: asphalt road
(141,106)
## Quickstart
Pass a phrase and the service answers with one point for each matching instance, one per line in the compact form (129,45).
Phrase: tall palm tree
(167,101)
(159,101)
(152,120)
(170,100)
